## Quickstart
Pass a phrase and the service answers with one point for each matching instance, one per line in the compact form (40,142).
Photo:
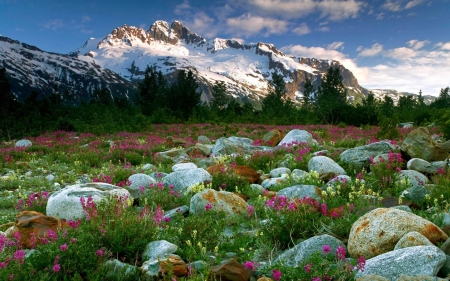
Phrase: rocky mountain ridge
(118,62)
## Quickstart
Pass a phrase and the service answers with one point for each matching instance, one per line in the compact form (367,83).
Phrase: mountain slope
(29,68)
(245,68)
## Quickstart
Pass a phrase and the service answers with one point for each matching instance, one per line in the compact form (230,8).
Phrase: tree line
(158,101)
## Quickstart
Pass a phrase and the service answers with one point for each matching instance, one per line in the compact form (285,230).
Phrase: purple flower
(307,267)
(340,253)
(249,265)
(326,249)
(100,252)
(52,234)
(360,263)
(56,268)
(19,255)
(208,207)
(3,264)
(276,274)
(316,279)
(250,211)
(63,247)
(141,189)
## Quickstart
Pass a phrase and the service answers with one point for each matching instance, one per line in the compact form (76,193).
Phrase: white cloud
(330,9)
(400,5)
(181,8)
(85,19)
(401,53)
(323,29)
(203,24)
(380,16)
(416,44)
(443,46)
(376,49)
(336,46)
(302,29)
(240,40)
(248,24)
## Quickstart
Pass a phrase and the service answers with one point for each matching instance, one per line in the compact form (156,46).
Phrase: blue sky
(390,44)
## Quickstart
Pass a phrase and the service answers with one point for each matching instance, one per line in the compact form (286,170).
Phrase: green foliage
(388,128)
(219,96)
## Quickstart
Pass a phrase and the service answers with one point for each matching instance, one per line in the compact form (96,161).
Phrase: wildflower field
(120,228)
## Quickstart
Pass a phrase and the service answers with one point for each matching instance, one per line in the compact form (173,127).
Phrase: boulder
(301,252)
(65,203)
(184,179)
(204,148)
(379,230)
(425,167)
(250,174)
(301,191)
(268,183)
(415,178)
(273,137)
(31,223)
(122,271)
(297,136)
(183,166)
(416,194)
(412,239)
(203,140)
(359,156)
(152,269)
(420,260)
(231,270)
(212,200)
(298,175)
(324,164)
(278,172)
(23,143)
(234,145)
(158,249)
(176,155)
(136,181)
(419,144)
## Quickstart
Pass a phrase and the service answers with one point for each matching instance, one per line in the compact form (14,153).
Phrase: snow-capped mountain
(245,68)
(395,95)
(118,62)
(28,68)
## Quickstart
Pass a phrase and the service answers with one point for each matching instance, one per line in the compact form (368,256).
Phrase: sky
(387,44)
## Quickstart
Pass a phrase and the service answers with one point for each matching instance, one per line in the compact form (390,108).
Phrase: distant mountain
(29,68)
(395,95)
(118,62)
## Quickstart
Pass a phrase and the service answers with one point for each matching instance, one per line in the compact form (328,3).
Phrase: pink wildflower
(308,267)
(250,211)
(276,274)
(360,263)
(100,252)
(63,247)
(326,249)
(249,265)
(19,255)
(340,253)
(56,268)
(52,234)
(208,207)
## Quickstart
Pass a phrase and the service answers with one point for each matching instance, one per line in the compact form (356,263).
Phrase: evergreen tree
(443,100)
(308,94)
(152,91)
(368,108)
(8,107)
(386,109)
(219,97)
(332,97)
(276,105)
(103,96)
(183,96)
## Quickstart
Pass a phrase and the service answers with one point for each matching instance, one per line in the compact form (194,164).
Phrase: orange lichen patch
(433,233)
(363,225)
(273,137)
(175,264)
(209,196)
(30,223)
(250,174)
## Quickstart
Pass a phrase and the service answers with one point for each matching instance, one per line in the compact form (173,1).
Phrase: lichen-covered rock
(418,260)
(184,179)
(379,230)
(138,180)
(250,174)
(158,249)
(268,183)
(412,239)
(359,156)
(324,164)
(65,203)
(301,191)
(277,172)
(211,200)
(425,167)
(298,136)
(231,270)
(300,252)
(152,269)
(414,178)
(203,140)
(183,166)
(176,155)
(273,137)
(31,223)
(233,145)
(420,144)
(298,175)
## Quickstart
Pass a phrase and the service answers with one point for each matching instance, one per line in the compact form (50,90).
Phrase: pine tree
(219,97)
(183,96)
(331,97)
(308,94)
(152,91)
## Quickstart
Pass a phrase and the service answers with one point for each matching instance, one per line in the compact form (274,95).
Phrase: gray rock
(158,249)
(412,239)
(300,252)
(23,143)
(372,277)
(324,164)
(149,166)
(416,194)
(123,271)
(298,175)
(176,155)
(342,180)
(183,166)
(421,260)
(65,203)
(301,191)
(158,176)
(203,140)
(379,230)
(182,209)
(419,144)
(234,145)
(415,178)
(50,177)
(403,208)
(204,148)
(257,189)
(298,136)
(138,180)
(268,183)
(445,269)
(184,179)
(278,172)
(425,167)
(359,156)
(321,153)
